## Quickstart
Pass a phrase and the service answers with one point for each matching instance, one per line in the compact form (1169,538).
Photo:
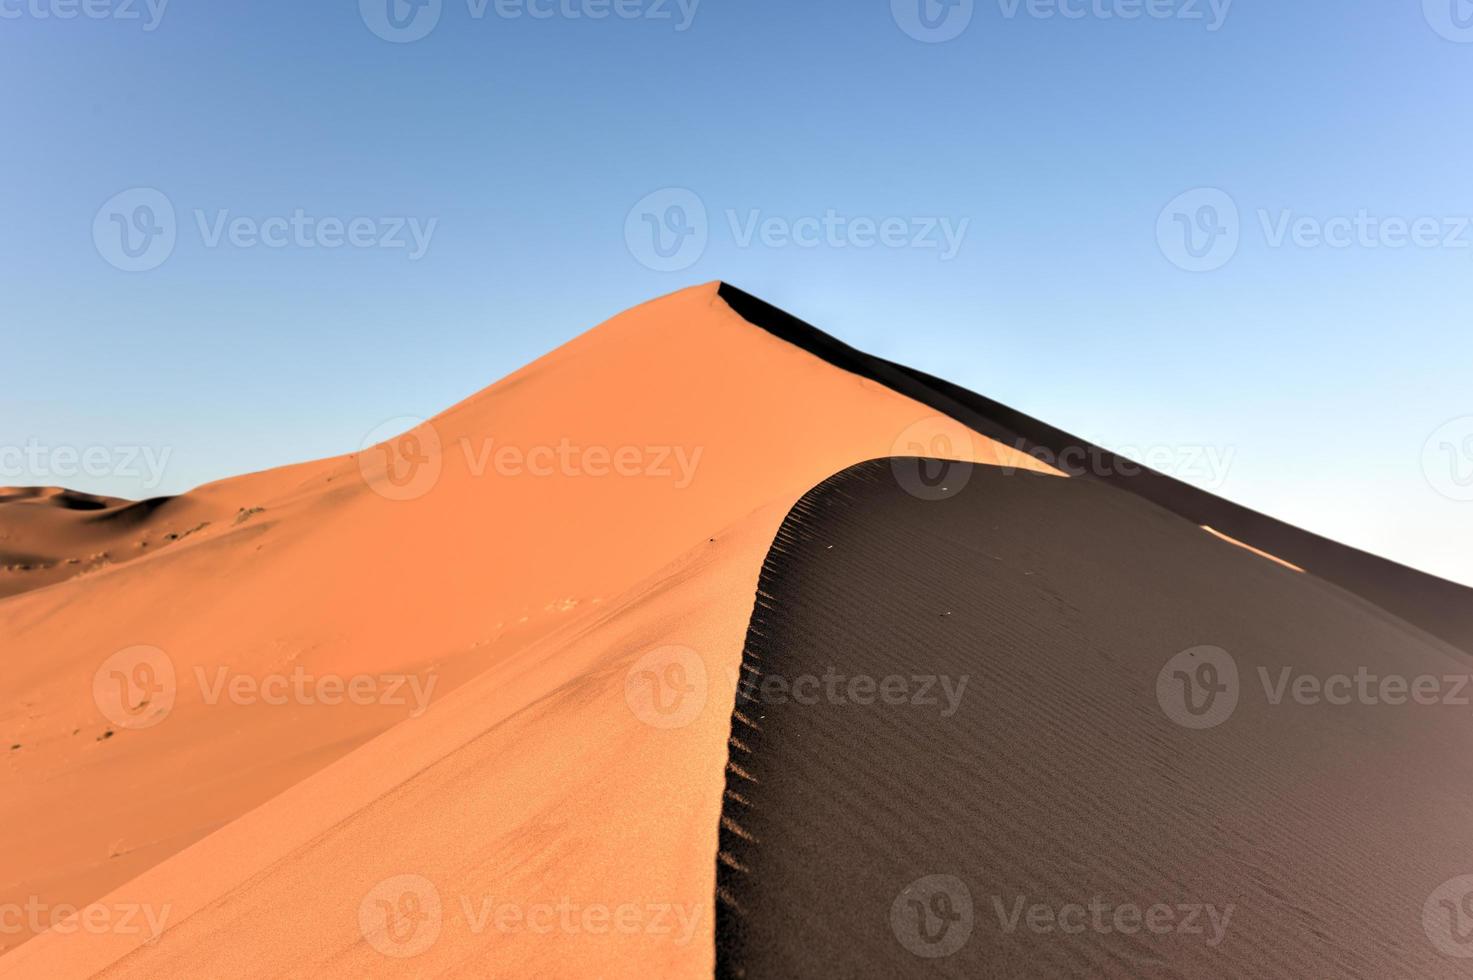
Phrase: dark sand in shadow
(1006,763)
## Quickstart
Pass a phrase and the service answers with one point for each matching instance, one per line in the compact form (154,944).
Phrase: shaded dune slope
(901,836)
(1438,606)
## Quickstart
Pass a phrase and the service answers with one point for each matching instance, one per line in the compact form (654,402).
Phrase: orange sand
(526,580)
(1248,547)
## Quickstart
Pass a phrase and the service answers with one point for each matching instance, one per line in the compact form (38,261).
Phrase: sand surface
(465,703)
(1022,751)
(555,507)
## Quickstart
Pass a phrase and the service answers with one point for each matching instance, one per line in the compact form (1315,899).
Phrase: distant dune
(49,534)
(460,704)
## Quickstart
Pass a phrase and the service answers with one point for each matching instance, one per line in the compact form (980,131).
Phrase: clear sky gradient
(1236,231)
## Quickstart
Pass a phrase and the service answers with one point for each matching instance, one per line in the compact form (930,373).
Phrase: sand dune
(465,703)
(418,565)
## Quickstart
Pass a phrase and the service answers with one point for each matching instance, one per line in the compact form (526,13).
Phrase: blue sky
(1311,335)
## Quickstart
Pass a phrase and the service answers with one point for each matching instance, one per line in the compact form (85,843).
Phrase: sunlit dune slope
(547,818)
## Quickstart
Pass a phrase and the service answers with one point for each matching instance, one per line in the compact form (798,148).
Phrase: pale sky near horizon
(1231,236)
